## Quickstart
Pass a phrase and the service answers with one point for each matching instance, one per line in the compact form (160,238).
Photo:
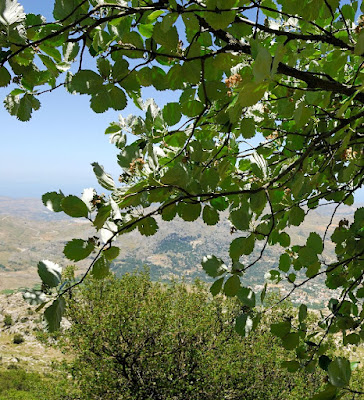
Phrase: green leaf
(101,40)
(74,207)
(192,108)
(339,372)
(240,218)
(284,239)
(291,366)
(243,325)
(50,273)
(314,242)
(247,128)
(296,216)
(219,20)
(154,15)
(117,98)
(102,215)
(5,77)
(258,201)
(307,257)
(280,329)
(240,246)
(63,8)
(210,215)
(353,338)
(53,314)
(101,268)
(262,65)
(219,203)
(284,262)
(302,313)
(263,293)
(301,115)
(290,341)
(168,213)
(70,51)
(78,249)
(100,102)
(86,82)
(52,200)
(111,253)
(172,113)
(246,296)
(169,39)
(329,393)
(213,266)
(21,107)
(189,211)
(216,287)
(324,362)
(177,175)
(148,226)
(232,285)
(250,93)
(359,46)
(105,180)
(104,67)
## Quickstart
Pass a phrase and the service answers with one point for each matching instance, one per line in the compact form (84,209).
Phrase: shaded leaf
(232,285)
(78,249)
(74,207)
(243,325)
(101,268)
(50,273)
(53,314)
(210,215)
(246,296)
(148,226)
(216,287)
(213,266)
(339,372)
(52,200)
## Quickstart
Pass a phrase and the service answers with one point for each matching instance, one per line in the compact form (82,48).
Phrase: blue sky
(55,148)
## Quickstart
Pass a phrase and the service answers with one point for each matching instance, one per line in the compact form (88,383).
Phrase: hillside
(29,232)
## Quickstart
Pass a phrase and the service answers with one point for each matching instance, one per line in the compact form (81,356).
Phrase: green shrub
(21,385)
(8,320)
(18,338)
(133,339)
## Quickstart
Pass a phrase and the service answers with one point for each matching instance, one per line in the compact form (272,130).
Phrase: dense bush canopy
(267,125)
(134,339)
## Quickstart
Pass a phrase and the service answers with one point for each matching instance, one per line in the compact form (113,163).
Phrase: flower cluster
(233,80)
(135,165)
(360,25)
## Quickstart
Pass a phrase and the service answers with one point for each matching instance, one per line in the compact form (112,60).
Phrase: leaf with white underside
(50,273)
(104,179)
(11,12)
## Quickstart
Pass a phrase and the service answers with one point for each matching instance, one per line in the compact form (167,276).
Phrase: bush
(8,320)
(133,339)
(18,338)
(21,385)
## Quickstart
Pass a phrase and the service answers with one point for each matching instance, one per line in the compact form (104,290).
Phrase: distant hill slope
(29,232)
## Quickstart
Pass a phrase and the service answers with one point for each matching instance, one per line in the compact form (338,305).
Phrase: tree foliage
(134,339)
(266,126)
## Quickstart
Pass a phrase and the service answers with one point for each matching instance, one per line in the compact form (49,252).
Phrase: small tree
(134,339)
